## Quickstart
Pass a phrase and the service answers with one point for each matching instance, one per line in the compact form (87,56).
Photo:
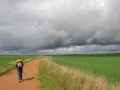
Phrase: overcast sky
(59,26)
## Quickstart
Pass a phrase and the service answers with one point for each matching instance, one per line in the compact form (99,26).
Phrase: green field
(100,65)
(7,61)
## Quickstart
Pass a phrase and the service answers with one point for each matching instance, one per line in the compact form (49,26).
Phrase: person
(19,66)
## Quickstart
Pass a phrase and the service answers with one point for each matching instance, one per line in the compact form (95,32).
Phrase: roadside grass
(7,62)
(103,64)
(58,77)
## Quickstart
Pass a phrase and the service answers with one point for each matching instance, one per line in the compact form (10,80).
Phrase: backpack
(19,64)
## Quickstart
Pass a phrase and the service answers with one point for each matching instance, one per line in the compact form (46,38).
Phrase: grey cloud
(101,49)
(30,26)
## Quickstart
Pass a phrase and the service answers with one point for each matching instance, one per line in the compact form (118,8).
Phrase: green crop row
(101,65)
(53,76)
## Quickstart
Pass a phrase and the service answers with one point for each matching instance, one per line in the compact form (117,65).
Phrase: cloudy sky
(59,26)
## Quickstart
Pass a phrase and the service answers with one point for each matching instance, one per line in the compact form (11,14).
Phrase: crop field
(100,65)
(7,61)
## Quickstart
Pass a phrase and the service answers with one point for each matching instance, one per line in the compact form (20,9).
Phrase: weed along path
(10,81)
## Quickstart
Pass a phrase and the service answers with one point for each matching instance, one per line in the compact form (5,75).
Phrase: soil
(10,81)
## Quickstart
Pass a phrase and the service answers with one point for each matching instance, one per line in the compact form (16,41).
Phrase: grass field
(55,76)
(7,61)
(100,65)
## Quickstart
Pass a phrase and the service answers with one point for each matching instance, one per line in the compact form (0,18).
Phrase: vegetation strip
(98,64)
(56,77)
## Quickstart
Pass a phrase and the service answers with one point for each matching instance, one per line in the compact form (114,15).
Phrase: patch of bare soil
(10,81)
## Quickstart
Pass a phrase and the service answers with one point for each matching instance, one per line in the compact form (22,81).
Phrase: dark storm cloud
(58,26)
(101,49)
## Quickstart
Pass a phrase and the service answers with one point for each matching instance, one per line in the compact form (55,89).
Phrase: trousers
(19,72)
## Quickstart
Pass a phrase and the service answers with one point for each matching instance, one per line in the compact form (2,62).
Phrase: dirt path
(30,82)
